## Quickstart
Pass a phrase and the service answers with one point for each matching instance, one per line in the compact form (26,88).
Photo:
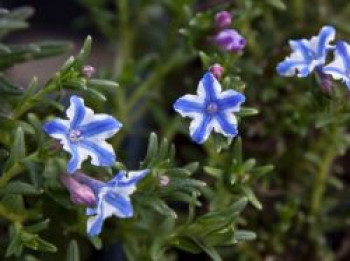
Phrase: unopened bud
(217,70)
(223,19)
(88,71)
(80,194)
(164,181)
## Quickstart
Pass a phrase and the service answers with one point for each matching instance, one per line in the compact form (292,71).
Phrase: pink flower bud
(223,19)
(164,181)
(80,194)
(217,70)
(88,71)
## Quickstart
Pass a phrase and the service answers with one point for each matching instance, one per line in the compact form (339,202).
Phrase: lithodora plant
(52,199)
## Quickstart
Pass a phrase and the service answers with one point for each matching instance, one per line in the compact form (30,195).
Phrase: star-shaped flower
(340,67)
(113,198)
(84,135)
(307,55)
(210,109)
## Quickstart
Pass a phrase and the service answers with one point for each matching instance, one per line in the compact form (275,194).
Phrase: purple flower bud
(217,70)
(230,40)
(80,194)
(164,181)
(88,71)
(223,19)
(324,80)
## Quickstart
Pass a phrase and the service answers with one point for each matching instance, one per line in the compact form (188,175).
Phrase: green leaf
(18,187)
(208,249)
(18,150)
(244,235)
(15,246)
(102,83)
(152,150)
(248,192)
(96,242)
(246,111)
(73,251)
(37,227)
(214,172)
(278,4)
(84,53)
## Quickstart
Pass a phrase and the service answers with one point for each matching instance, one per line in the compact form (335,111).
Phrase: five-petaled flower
(307,55)
(113,197)
(340,67)
(210,109)
(84,135)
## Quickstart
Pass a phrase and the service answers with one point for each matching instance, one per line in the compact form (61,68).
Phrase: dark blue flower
(307,55)
(84,135)
(210,109)
(340,67)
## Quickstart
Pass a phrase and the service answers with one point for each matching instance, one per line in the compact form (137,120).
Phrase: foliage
(197,199)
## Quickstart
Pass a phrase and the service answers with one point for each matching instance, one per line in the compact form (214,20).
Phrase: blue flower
(113,198)
(340,67)
(210,109)
(84,135)
(307,55)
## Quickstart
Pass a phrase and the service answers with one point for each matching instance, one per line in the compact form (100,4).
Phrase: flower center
(75,135)
(212,108)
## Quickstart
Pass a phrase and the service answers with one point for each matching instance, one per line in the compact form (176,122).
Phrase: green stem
(27,104)
(14,170)
(124,46)
(321,177)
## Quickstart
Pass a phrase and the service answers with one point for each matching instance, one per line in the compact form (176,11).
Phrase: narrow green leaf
(208,249)
(73,251)
(248,192)
(18,187)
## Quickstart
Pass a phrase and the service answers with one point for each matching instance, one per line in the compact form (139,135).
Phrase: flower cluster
(227,38)
(84,135)
(311,55)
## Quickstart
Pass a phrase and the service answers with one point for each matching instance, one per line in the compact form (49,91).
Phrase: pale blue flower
(113,198)
(84,135)
(307,55)
(210,109)
(340,67)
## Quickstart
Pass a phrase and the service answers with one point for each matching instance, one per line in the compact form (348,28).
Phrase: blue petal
(95,226)
(200,134)
(91,211)
(228,128)
(300,46)
(75,160)
(283,68)
(122,207)
(186,106)
(122,180)
(231,101)
(326,33)
(105,158)
(208,84)
(55,127)
(342,51)
(333,69)
(78,113)
(101,126)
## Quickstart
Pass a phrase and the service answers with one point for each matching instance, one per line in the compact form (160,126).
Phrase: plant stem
(321,177)
(14,170)
(124,46)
